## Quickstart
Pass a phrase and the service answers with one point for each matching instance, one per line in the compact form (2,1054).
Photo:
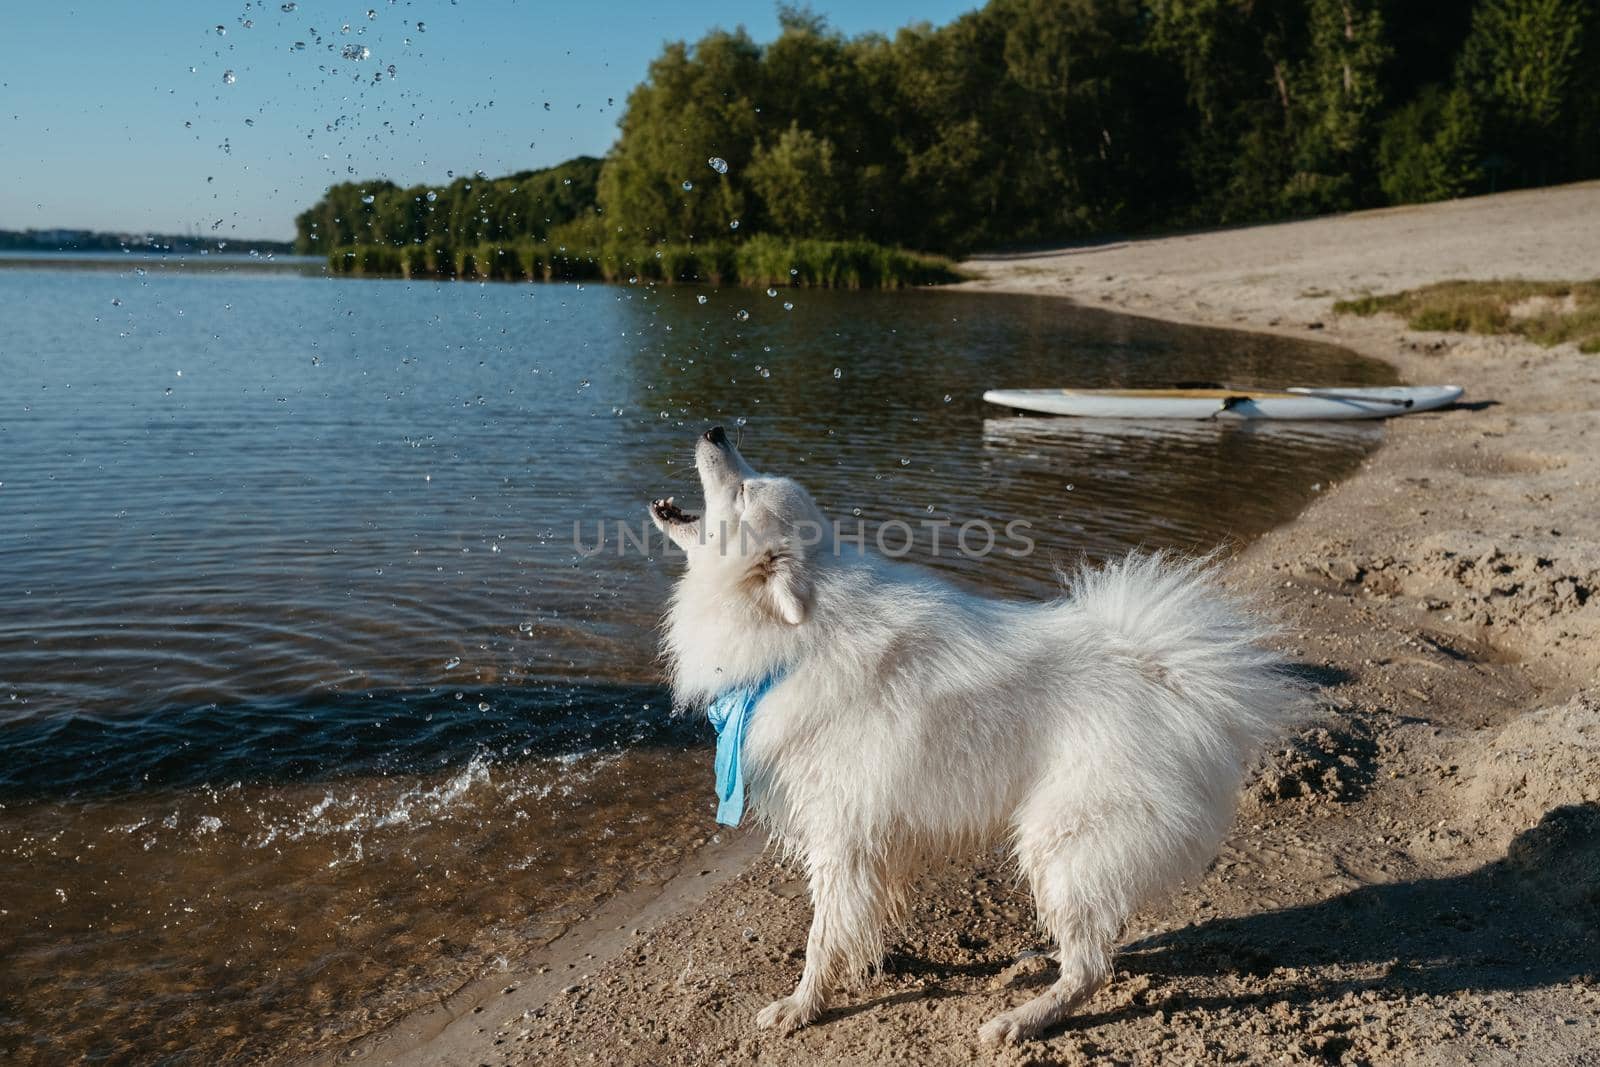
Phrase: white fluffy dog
(1104,735)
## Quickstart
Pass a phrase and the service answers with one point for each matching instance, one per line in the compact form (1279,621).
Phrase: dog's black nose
(716,436)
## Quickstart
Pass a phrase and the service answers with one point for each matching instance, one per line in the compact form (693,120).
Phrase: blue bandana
(730,713)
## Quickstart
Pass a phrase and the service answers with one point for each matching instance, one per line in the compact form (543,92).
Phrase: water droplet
(228,78)
(452,663)
(525,627)
(794,272)
(837,373)
(1070,487)
(687,185)
(788,306)
(116,301)
(584,384)
(371,14)
(483,705)
(765,373)
(771,291)
(740,421)
(288,9)
(422,27)
(169,390)
(904,462)
(947,398)
(356,52)
(742,315)
(368,199)
(855,511)
(701,298)
(222,31)
(734,225)
(718,164)
(432,196)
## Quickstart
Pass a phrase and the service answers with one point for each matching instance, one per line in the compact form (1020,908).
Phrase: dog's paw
(785,1016)
(1005,1029)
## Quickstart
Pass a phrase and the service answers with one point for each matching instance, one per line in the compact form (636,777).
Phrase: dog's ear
(781,584)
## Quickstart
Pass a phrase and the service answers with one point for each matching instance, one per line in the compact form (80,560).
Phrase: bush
(1547,313)
(762,261)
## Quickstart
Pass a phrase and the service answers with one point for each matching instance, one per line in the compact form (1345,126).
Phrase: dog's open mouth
(667,511)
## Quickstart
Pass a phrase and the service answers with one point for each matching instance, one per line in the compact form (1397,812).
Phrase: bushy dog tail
(1193,638)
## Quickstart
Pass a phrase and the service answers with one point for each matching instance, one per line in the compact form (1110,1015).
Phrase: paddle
(1399,402)
(1303,390)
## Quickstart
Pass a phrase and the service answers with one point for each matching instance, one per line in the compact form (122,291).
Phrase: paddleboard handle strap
(1228,404)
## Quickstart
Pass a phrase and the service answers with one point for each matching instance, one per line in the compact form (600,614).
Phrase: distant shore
(73,240)
(1412,880)
(145,259)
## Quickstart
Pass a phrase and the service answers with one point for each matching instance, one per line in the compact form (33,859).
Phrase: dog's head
(754,537)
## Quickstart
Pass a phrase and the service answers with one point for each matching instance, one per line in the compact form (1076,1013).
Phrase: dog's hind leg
(1083,927)
(850,901)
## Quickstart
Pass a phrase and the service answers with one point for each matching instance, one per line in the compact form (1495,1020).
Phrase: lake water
(312,708)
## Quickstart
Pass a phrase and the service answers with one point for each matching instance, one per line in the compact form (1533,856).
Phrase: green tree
(695,105)
(1521,64)
(797,183)
(1339,93)
(1429,148)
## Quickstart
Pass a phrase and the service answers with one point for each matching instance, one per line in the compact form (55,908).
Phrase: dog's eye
(739,496)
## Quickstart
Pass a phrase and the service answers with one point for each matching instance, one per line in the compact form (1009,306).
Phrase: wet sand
(1414,879)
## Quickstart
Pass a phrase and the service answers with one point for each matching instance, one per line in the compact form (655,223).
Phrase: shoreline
(1406,881)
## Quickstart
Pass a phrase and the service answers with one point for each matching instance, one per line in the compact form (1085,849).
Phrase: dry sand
(1415,879)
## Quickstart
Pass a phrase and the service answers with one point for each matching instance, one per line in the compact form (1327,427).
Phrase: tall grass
(760,261)
(1547,313)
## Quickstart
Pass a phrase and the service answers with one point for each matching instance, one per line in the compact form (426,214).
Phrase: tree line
(1036,120)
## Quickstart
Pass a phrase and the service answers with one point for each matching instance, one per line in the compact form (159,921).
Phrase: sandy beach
(1416,878)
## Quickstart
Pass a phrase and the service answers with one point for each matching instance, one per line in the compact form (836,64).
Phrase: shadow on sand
(1529,919)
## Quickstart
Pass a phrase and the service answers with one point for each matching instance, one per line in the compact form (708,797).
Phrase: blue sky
(118,115)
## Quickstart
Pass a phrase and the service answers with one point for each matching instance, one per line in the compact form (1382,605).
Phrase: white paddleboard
(1297,402)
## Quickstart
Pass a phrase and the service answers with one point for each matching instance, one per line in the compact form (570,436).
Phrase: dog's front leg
(847,901)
